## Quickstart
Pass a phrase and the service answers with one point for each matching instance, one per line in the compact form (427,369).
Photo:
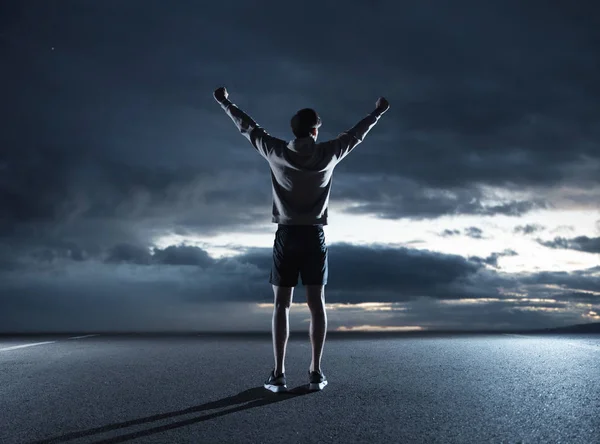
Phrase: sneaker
(316,380)
(276,384)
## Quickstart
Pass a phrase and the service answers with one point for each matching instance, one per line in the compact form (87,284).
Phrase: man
(301,173)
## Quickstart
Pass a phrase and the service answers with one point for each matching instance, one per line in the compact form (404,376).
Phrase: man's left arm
(260,139)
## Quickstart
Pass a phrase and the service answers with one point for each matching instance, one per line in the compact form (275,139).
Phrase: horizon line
(593,327)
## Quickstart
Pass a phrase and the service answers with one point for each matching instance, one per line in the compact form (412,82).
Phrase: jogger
(301,177)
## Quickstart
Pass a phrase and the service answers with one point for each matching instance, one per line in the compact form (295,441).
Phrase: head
(306,123)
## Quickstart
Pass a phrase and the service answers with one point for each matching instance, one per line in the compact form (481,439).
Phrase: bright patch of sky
(497,235)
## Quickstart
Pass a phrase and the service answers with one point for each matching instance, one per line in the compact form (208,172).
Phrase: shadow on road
(254,397)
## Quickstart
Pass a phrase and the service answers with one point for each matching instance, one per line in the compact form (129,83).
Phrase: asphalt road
(447,389)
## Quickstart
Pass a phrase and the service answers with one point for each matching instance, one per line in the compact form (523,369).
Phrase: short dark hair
(305,120)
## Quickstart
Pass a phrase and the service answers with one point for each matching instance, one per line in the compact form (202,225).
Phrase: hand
(382,104)
(220,94)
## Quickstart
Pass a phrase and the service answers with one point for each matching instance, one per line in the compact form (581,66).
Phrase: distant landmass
(589,328)
(593,327)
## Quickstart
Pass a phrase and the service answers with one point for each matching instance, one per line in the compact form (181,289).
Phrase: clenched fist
(382,104)
(220,94)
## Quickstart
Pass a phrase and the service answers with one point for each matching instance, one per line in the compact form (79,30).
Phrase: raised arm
(346,141)
(258,137)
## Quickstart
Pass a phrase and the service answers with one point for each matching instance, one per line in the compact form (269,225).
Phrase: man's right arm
(345,142)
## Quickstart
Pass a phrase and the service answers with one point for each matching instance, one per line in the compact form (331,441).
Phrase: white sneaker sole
(317,385)
(276,388)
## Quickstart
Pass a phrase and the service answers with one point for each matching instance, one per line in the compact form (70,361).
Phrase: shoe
(276,384)
(316,380)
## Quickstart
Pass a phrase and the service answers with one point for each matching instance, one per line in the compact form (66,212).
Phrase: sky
(129,201)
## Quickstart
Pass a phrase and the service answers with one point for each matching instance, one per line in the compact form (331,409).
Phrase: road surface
(496,388)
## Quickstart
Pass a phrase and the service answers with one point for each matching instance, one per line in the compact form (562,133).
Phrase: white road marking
(26,345)
(80,337)
(517,335)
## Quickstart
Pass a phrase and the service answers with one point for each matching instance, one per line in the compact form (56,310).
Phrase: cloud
(577,287)
(361,274)
(182,255)
(378,273)
(579,243)
(448,233)
(474,232)
(396,198)
(528,228)
(149,143)
(145,150)
(172,255)
(494,314)
(143,288)
(492,259)
(129,253)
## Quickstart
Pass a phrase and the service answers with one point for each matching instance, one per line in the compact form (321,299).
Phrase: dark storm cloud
(138,292)
(362,274)
(528,228)
(478,106)
(402,273)
(54,189)
(182,255)
(172,255)
(113,137)
(369,273)
(489,315)
(579,243)
(380,274)
(129,253)
(395,197)
(576,286)
(117,133)
(487,106)
(60,253)
(124,119)
(430,209)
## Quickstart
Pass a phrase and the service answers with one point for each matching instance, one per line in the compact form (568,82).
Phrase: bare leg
(315,298)
(281,324)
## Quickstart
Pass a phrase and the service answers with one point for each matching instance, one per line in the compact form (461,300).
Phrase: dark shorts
(299,249)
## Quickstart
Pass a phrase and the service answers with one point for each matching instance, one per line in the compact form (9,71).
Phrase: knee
(283,305)
(283,302)
(283,297)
